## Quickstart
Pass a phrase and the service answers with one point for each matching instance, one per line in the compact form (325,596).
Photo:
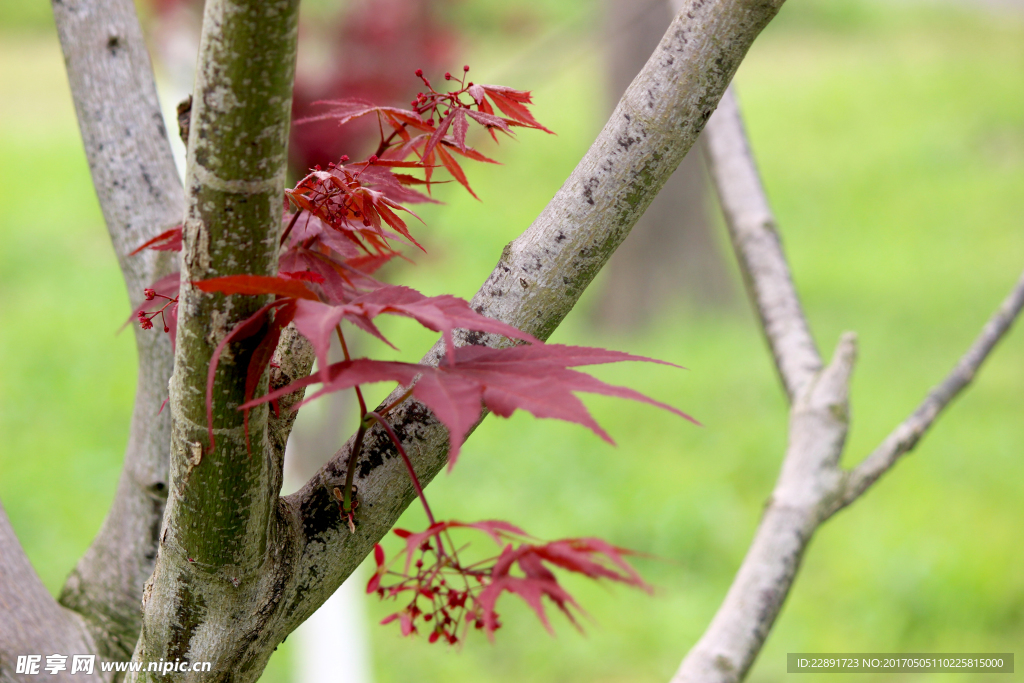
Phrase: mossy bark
(218,556)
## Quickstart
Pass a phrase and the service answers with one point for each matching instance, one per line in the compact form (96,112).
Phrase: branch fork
(812,486)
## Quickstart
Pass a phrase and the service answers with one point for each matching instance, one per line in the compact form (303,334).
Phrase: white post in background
(332,645)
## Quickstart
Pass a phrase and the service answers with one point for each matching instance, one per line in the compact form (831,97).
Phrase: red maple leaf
(535,378)
(169,240)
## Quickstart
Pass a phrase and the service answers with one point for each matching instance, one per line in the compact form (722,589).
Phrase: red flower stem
(346,503)
(359,392)
(393,404)
(350,473)
(408,464)
(291,224)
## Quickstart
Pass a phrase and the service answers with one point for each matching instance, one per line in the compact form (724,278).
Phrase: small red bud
(419,72)
(447,76)
(317,167)
(344,158)
(373,159)
(150,294)
(466,67)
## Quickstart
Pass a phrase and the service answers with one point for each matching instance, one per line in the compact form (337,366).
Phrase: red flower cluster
(448,597)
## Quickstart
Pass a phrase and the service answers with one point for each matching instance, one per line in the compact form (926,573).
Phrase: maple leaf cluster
(447,596)
(339,226)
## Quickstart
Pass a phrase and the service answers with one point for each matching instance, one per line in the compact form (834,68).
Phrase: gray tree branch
(33,622)
(539,277)
(140,195)
(817,431)
(811,486)
(903,439)
(758,247)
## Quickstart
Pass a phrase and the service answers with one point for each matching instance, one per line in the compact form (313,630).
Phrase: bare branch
(806,484)
(542,274)
(32,620)
(755,239)
(811,485)
(903,439)
(139,192)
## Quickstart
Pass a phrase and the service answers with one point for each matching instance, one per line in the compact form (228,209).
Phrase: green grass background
(891,140)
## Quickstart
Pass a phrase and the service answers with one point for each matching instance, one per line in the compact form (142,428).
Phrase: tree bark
(238,569)
(140,195)
(671,256)
(214,581)
(33,622)
(811,486)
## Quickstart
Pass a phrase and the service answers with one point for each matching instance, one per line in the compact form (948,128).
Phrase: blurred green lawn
(891,139)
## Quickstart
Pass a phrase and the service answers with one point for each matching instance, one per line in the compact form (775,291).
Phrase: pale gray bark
(812,485)
(755,238)
(32,622)
(140,196)
(903,439)
(671,256)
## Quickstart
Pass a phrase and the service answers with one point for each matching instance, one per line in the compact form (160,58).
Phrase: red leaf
(476,91)
(369,264)
(256,284)
(243,330)
(406,623)
(169,240)
(454,168)
(303,275)
(471,153)
(316,321)
(460,126)
(512,103)
(489,120)
(435,138)
(262,356)
(534,378)
(346,110)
